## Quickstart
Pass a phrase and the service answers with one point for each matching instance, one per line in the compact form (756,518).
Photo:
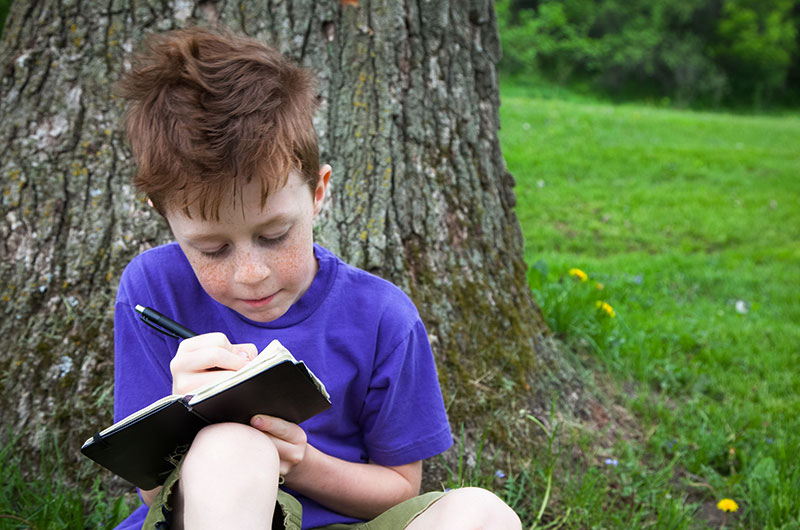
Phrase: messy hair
(208,111)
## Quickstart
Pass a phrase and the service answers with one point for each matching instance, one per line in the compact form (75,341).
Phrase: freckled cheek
(213,278)
(292,265)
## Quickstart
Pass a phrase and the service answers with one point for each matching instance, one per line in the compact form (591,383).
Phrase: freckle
(210,276)
(287,261)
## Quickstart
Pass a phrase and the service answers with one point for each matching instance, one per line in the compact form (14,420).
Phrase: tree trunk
(420,193)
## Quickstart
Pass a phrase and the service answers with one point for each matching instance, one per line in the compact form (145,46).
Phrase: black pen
(161,323)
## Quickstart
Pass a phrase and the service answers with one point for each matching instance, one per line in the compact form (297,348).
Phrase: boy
(220,126)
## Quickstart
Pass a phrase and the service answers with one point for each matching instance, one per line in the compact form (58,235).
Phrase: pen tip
(139,308)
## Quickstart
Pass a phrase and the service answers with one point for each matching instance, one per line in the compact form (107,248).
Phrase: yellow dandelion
(607,308)
(579,274)
(727,505)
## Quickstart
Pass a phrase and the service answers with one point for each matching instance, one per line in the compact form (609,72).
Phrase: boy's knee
(231,446)
(482,508)
(229,468)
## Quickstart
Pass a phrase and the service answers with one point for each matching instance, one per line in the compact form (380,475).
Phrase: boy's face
(257,261)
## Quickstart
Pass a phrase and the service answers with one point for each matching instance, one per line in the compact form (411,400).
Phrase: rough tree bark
(420,193)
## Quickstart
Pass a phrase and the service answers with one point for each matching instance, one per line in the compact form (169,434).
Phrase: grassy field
(688,226)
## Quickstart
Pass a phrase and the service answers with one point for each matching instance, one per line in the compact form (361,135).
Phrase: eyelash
(216,253)
(269,242)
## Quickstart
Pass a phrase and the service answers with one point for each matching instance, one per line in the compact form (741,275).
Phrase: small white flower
(742,307)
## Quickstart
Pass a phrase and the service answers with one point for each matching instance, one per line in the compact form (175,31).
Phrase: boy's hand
(206,359)
(289,439)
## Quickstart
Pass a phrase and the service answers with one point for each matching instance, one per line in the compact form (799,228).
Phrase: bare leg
(229,479)
(467,509)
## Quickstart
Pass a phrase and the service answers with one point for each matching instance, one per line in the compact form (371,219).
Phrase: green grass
(46,500)
(691,222)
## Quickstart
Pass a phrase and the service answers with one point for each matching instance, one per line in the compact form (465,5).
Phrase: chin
(263,316)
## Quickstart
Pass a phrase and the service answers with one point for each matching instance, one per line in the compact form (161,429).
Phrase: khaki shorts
(289,513)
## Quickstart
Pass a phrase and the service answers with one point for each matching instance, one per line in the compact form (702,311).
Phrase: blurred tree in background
(757,44)
(707,52)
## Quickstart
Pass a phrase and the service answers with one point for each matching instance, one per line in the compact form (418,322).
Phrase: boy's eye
(215,253)
(272,241)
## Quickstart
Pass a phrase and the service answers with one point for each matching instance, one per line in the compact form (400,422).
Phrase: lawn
(690,222)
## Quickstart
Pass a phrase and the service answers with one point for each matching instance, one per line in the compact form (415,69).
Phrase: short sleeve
(141,356)
(404,419)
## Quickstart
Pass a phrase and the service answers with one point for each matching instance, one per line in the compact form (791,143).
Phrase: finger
(248,350)
(203,341)
(285,430)
(219,358)
(190,382)
(290,454)
(212,357)
(219,340)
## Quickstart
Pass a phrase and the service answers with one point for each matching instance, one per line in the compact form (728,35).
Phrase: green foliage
(690,221)
(5,5)
(757,42)
(578,308)
(695,52)
(543,42)
(47,501)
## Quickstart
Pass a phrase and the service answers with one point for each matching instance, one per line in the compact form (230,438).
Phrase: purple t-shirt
(358,333)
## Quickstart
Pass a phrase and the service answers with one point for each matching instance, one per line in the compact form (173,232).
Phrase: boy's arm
(356,489)
(352,488)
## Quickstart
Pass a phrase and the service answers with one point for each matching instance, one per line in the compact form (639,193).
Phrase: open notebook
(141,447)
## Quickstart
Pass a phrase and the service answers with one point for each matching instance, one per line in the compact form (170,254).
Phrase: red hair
(210,111)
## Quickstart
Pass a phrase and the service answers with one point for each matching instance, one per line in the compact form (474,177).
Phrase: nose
(250,268)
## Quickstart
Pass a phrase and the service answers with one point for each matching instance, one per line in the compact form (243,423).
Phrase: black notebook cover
(143,451)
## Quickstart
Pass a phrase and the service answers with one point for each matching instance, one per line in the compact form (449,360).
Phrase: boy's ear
(322,187)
